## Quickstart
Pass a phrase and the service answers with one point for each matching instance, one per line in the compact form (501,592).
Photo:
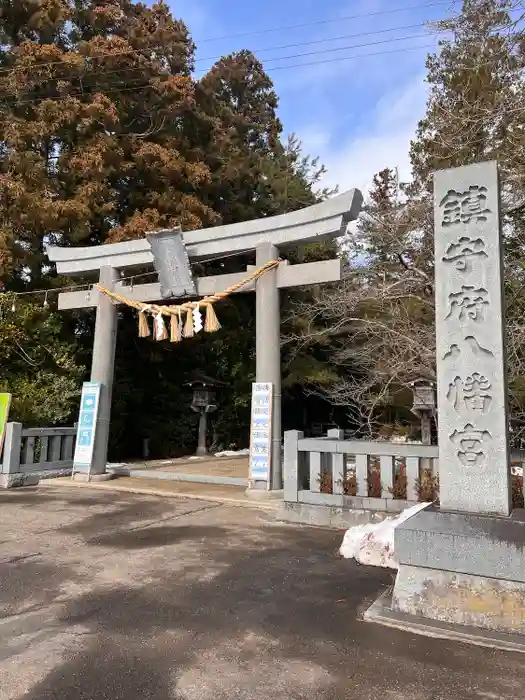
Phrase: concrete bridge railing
(33,453)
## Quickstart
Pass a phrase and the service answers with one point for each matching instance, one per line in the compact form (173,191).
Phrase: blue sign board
(87,422)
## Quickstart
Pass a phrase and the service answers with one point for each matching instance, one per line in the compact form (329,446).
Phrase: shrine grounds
(125,596)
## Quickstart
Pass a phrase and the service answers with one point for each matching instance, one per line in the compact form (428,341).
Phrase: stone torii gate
(267,236)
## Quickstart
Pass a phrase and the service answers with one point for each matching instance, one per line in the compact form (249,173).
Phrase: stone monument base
(381,613)
(462,599)
(461,569)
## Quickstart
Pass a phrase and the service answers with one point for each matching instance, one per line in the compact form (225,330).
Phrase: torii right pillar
(268,353)
(462,562)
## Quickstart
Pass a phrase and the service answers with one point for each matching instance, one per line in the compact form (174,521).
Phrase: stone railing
(33,453)
(363,480)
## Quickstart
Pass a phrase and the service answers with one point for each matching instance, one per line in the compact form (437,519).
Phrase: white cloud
(382,141)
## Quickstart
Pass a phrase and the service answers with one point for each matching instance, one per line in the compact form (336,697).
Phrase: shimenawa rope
(191,325)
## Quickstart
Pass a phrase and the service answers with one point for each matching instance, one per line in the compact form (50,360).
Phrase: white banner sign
(261,431)
(87,423)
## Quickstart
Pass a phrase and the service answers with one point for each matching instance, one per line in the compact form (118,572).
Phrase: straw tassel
(188,328)
(175,328)
(211,324)
(144,330)
(160,327)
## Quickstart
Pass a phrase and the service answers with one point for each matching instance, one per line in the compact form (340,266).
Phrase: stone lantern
(203,403)
(424,406)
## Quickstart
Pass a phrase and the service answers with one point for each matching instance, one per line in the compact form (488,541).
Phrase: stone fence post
(291,464)
(11,453)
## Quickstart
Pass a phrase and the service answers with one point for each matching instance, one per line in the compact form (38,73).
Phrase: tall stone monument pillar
(470,347)
(463,562)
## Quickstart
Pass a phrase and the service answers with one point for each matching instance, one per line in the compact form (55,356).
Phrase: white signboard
(87,422)
(261,431)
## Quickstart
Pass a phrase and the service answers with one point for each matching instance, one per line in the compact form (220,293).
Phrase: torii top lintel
(328,219)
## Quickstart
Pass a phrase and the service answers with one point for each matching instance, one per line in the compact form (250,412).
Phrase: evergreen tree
(475,109)
(91,100)
(39,363)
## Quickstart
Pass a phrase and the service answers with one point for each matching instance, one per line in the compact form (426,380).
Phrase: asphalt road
(124,597)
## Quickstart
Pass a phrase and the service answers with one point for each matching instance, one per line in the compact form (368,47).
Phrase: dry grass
(427,487)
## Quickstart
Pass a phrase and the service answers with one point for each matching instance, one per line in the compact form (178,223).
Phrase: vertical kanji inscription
(471,374)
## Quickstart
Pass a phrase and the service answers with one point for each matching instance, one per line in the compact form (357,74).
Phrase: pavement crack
(19,558)
(169,518)
(174,517)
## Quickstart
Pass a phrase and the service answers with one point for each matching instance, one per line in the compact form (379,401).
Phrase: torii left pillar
(102,367)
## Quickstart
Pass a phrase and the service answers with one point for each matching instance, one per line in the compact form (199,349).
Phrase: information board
(261,431)
(5,403)
(87,422)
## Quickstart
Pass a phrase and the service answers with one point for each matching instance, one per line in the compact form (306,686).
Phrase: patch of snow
(233,453)
(517,471)
(114,465)
(195,457)
(373,544)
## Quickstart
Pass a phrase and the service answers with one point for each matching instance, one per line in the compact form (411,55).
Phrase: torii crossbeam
(266,236)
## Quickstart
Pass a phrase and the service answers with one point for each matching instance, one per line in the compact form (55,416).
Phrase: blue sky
(358,115)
